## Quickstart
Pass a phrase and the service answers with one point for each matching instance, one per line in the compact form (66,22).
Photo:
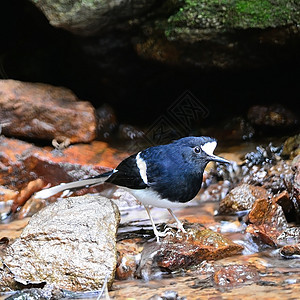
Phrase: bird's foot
(181,228)
(159,234)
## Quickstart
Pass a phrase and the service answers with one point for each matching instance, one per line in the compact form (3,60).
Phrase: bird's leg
(156,232)
(179,224)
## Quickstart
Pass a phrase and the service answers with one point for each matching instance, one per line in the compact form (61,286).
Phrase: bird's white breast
(150,197)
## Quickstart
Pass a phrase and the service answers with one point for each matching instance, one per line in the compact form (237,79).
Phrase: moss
(232,14)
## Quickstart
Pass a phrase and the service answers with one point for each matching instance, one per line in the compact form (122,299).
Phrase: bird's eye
(197,149)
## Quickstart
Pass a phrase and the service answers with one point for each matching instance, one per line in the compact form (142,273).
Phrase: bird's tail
(46,193)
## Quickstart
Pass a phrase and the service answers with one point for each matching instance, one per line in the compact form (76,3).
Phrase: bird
(164,176)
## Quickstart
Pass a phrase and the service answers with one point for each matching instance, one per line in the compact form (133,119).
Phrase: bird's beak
(218,159)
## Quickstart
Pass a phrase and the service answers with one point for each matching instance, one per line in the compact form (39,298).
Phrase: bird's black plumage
(127,174)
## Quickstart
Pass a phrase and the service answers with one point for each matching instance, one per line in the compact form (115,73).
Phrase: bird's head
(199,150)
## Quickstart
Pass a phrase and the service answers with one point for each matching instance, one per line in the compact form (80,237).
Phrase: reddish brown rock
(13,174)
(42,111)
(241,198)
(236,275)
(267,221)
(182,250)
(22,163)
(290,251)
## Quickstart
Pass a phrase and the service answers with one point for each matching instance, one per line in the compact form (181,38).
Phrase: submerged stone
(236,275)
(71,244)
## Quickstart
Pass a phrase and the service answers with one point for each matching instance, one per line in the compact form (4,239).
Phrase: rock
(167,295)
(289,236)
(71,244)
(25,194)
(27,168)
(37,110)
(288,206)
(23,165)
(7,281)
(207,33)
(295,189)
(183,250)
(290,251)
(241,198)
(271,177)
(48,292)
(272,116)
(128,253)
(13,174)
(236,275)
(291,147)
(88,18)
(267,221)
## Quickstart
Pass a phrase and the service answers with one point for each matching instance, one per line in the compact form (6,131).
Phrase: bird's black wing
(127,174)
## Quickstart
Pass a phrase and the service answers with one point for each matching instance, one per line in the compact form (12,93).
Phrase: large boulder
(89,17)
(43,111)
(71,244)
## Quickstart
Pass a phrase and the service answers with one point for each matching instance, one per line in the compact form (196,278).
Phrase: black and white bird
(165,176)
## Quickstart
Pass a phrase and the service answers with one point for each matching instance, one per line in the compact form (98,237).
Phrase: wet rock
(291,147)
(295,190)
(267,221)
(13,174)
(168,295)
(7,280)
(21,162)
(36,110)
(288,205)
(88,18)
(179,250)
(272,116)
(289,236)
(25,194)
(71,244)
(272,176)
(290,251)
(268,155)
(241,198)
(236,275)
(214,192)
(128,258)
(49,292)
(203,34)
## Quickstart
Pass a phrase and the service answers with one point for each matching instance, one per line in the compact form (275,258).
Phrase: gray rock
(71,244)
(89,17)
